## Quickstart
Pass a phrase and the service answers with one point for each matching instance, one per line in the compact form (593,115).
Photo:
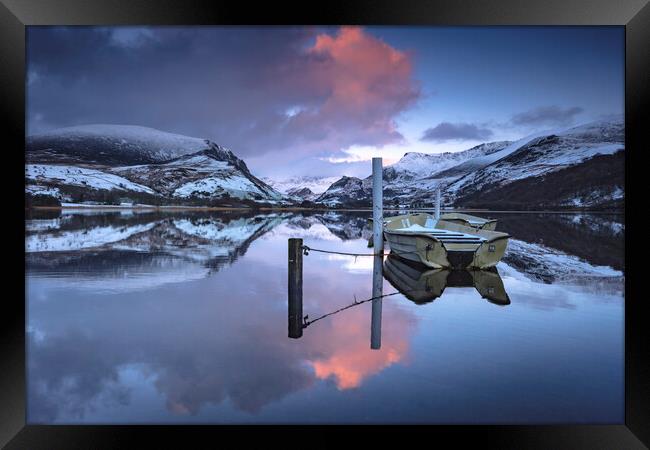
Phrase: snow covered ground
(235,185)
(35,189)
(79,176)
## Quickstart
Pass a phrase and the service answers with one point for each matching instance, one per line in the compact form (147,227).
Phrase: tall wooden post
(295,288)
(377,291)
(377,207)
(437,210)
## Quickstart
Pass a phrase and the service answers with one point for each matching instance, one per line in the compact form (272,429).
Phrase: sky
(322,101)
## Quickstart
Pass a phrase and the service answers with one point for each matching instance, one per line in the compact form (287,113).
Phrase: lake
(182,317)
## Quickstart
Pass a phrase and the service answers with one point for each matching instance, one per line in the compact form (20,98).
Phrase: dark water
(177,318)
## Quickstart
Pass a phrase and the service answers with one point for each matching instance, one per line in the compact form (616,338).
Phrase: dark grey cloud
(282,91)
(547,115)
(446,131)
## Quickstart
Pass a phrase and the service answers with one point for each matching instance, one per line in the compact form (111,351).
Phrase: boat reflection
(416,282)
(422,284)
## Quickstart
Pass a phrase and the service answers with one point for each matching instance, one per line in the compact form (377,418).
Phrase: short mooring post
(295,288)
(377,207)
(437,210)
(377,290)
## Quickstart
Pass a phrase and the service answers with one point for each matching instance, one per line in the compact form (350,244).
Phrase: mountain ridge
(133,159)
(490,166)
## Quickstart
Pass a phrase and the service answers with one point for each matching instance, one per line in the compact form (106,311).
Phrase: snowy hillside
(111,144)
(87,162)
(413,176)
(302,194)
(347,191)
(589,155)
(575,150)
(204,175)
(77,176)
(428,164)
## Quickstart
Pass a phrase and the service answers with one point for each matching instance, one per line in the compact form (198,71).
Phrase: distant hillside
(107,162)
(580,167)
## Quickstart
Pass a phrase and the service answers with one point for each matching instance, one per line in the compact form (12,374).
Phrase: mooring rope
(306,323)
(306,249)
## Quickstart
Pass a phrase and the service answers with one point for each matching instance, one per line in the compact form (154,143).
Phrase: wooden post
(295,288)
(377,207)
(377,290)
(437,210)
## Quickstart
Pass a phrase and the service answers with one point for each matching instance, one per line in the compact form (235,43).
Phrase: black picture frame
(15,15)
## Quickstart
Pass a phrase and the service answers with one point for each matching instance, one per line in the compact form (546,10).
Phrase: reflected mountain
(422,284)
(346,225)
(139,250)
(595,238)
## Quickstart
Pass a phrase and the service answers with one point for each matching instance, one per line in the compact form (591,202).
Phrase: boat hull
(441,251)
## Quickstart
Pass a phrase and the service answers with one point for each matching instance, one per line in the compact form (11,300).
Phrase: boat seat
(441,234)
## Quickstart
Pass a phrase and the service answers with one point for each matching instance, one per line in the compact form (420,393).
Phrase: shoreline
(297,208)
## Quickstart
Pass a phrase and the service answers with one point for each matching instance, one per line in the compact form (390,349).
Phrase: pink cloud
(361,85)
(347,359)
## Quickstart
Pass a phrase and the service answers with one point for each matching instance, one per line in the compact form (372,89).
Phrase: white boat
(442,244)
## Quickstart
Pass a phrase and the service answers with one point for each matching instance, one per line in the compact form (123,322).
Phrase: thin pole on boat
(377,292)
(295,288)
(377,207)
(437,210)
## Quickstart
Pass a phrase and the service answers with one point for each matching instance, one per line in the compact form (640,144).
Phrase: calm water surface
(183,317)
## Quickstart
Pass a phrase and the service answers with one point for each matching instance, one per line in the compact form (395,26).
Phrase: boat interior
(469,220)
(443,230)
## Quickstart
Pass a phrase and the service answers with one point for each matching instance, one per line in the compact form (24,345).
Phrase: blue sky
(323,101)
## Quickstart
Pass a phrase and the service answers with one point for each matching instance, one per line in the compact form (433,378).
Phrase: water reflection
(416,282)
(295,298)
(422,285)
(182,317)
(377,291)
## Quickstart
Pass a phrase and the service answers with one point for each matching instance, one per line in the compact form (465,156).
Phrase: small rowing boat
(439,243)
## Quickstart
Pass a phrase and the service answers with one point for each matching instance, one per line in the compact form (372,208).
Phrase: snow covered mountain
(315,184)
(347,191)
(424,164)
(93,162)
(577,167)
(302,193)
(413,175)
(581,166)
(111,145)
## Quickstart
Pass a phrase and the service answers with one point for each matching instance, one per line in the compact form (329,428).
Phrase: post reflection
(294,290)
(377,292)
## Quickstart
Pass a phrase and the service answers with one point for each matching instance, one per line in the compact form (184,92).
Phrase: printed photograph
(325,225)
